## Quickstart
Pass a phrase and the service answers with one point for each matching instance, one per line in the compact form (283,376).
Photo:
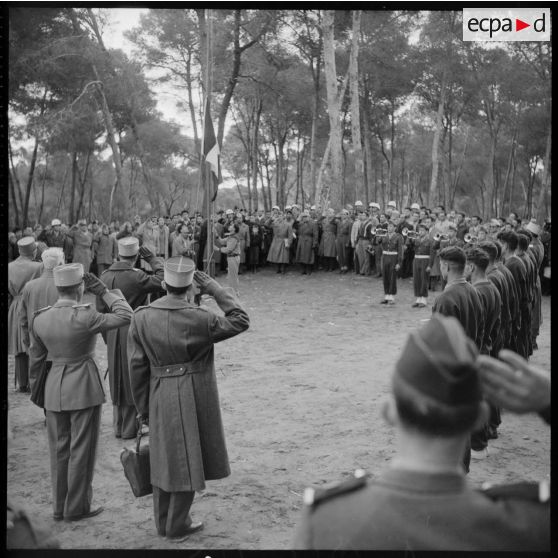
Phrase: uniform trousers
(233,263)
(172,511)
(72,438)
(420,276)
(378,259)
(362,256)
(124,421)
(389,261)
(21,361)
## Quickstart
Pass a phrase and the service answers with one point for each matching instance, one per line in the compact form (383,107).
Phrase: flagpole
(207,173)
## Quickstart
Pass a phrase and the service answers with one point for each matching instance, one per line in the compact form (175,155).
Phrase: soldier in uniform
(425,252)
(362,244)
(423,501)
(172,372)
(66,333)
(20,272)
(135,284)
(536,250)
(392,256)
(307,242)
(39,292)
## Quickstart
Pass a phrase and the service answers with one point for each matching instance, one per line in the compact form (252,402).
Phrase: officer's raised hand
(94,285)
(205,283)
(146,253)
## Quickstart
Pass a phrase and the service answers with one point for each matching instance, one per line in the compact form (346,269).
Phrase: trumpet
(409,234)
(469,238)
(377,231)
(437,237)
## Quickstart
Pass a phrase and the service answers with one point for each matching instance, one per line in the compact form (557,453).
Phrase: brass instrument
(437,237)
(409,234)
(469,238)
(377,231)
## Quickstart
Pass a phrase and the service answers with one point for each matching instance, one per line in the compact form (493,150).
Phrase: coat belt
(386,253)
(172,370)
(73,360)
(421,256)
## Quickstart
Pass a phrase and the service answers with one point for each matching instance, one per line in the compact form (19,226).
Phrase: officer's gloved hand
(94,284)
(206,284)
(146,253)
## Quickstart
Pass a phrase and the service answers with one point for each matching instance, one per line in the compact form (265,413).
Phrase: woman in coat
(83,244)
(244,237)
(182,243)
(282,236)
(307,242)
(328,249)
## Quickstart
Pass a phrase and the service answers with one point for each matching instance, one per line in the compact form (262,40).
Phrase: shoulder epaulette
(37,312)
(315,496)
(532,491)
(85,305)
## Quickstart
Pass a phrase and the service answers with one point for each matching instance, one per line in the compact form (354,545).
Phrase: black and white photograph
(277,279)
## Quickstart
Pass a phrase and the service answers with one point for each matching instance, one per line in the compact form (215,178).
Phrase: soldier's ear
(163,285)
(389,411)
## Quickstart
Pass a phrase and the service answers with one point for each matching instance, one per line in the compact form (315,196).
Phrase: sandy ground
(300,393)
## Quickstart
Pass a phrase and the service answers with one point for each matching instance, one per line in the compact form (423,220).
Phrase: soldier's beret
(128,246)
(68,275)
(438,363)
(26,246)
(179,271)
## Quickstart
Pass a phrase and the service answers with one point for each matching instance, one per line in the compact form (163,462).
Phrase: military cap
(313,207)
(288,207)
(52,257)
(128,246)
(55,222)
(276,207)
(358,203)
(391,204)
(68,275)
(438,363)
(415,206)
(533,228)
(229,212)
(374,204)
(179,271)
(26,246)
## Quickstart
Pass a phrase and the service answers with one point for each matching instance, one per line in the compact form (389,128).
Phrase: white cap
(358,203)
(179,271)
(415,206)
(229,212)
(276,207)
(287,207)
(55,222)
(52,257)
(533,228)
(374,204)
(391,204)
(68,275)
(128,246)
(313,207)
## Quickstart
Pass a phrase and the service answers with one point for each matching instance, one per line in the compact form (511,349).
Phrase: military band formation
(450,383)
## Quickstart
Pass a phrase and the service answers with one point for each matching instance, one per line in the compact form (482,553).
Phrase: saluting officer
(172,372)
(66,333)
(135,284)
(423,500)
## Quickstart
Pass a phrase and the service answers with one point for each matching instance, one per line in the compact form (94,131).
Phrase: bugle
(409,234)
(469,238)
(377,231)
(437,237)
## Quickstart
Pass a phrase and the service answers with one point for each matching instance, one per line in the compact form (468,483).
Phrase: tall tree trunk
(333,109)
(355,107)
(542,207)
(433,191)
(42,204)
(508,168)
(460,168)
(14,199)
(82,182)
(71,220)
(15,185)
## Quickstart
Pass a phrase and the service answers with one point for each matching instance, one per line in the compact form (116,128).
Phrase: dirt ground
(300,392)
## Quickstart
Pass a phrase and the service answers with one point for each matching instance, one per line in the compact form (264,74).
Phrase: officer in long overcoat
(40,292)
(307,242)
(66,334)
(135,284)
(20,271)
(172,372)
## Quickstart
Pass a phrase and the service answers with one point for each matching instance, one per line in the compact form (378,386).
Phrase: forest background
(310,107)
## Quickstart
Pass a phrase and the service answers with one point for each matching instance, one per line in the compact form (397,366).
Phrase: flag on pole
(211,153)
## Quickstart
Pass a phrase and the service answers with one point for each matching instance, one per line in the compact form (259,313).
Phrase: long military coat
(172,372)
(20,271)
(307,240)
(282,234)
(66,334)
(83,244)
(328,248)
(135,285)
(37,294)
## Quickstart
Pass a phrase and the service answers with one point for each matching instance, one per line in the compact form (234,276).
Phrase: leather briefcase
(136,467)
